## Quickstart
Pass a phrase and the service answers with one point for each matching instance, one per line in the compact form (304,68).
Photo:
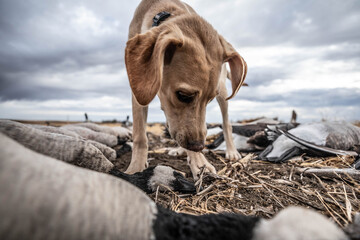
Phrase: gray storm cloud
(62,58)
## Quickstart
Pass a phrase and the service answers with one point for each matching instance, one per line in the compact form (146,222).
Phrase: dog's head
(181,61)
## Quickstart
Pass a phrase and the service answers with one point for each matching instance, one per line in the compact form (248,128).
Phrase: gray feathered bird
(316,139)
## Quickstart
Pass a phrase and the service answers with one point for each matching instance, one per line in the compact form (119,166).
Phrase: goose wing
(317,147)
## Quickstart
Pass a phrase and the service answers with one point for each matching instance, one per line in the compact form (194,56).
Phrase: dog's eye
(185,97)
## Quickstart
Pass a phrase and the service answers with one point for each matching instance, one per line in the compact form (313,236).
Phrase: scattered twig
(348,205)
(157,193)
(327,208)
(330,173)
(206,190)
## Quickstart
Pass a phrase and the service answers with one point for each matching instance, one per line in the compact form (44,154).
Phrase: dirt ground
(254,187)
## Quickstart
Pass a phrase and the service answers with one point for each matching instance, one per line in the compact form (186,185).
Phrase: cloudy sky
(59,59)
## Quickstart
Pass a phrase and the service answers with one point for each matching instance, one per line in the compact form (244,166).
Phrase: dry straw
(253,187)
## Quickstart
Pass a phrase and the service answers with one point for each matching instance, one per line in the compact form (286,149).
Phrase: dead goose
(240,142)
(104,138)
(83,154)
(43,198)
(249,137)
(159,176)
(120,132)
(318,139)
(65,148)
(108,152)
(292,223)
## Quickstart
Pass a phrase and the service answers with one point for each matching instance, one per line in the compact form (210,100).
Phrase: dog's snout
(195,146)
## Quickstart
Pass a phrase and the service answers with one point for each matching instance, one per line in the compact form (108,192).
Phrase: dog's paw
(197,161)
(233,155)
(176,151)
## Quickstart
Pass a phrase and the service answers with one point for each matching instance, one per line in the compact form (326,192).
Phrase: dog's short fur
(183,62)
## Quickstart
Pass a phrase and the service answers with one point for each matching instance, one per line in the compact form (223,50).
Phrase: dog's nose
(195,146)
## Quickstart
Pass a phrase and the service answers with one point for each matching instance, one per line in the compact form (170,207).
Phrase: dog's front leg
(196,161)
(140,142)
(231,152)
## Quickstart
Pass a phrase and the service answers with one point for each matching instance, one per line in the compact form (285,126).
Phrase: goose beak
(182,185)
(187,186)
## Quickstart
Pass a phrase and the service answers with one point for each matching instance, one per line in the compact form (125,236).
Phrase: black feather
(178,226)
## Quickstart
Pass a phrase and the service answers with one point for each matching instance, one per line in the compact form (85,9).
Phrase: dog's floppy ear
(238,67)
(144,57)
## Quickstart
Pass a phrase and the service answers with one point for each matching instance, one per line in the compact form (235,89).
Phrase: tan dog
(182,60)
